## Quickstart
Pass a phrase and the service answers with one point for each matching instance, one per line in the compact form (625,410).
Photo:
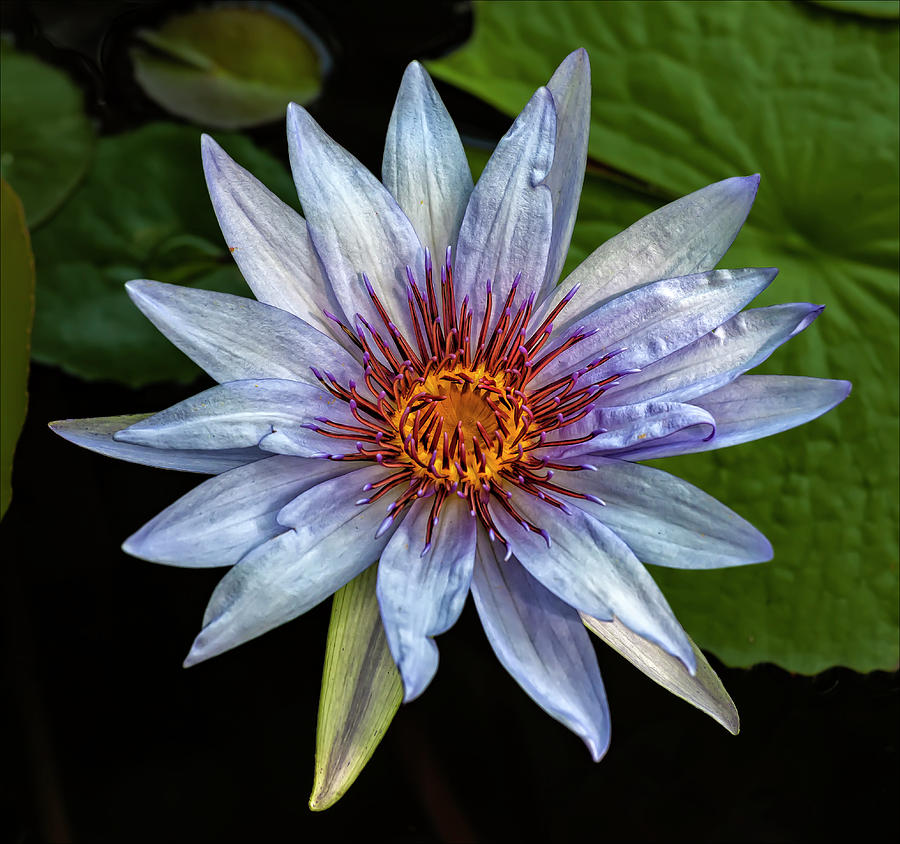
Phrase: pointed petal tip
(215,159)
(580,58)
(689,660)
(415,70)
(597,745)
(296,113)
(131,436)
(745,187)
(413,686)
(196,654)
(129,546)
(142,289)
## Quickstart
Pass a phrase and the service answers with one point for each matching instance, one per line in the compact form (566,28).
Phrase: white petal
(290,574)
(508,223)
(717,358)
(356,226)
(634,427)
(755,406)
(542,643)
(422,594)
(684,237)
(664,519)
(277,415)
(658,319)
(96,434)
(570,86)
(234,338)
(219,521)
(591,569)
(268,240)
(425,166)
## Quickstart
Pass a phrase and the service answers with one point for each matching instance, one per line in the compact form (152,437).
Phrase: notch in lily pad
(231,65)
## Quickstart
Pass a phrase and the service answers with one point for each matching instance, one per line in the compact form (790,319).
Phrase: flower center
(453,415)
(461,427)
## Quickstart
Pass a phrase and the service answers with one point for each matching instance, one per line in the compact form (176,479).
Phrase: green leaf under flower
(229,66)
(45,137)
(361,690)
(142,212)
(16,314)
(684,95)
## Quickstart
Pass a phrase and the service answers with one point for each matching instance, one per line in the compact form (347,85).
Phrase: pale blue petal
(755,406)
(570,86)
(663,519)
(658,319)
(290,574)
(425,165)
(219,521)
(422,595)
(96,434)
(593,570)
(684,237)
(508,223)
(234,338)
(717,358)
(543,644)
(278,415)
(356,226)
(633,426)
(268,240)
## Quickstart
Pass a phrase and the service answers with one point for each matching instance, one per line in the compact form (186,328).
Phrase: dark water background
(108,739)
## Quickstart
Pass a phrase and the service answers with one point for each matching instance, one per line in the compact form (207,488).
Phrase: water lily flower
(412,386)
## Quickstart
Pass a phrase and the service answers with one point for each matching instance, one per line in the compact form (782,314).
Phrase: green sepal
(703,689)
(361,690)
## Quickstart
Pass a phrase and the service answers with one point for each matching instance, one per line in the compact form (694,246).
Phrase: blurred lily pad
(16,313)
(685,94)
(230,65)
(142,212)
(45,137)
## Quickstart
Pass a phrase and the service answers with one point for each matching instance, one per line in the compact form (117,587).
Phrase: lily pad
(230,66)
(142,212)
(45,137)
(16,313)
(684,95)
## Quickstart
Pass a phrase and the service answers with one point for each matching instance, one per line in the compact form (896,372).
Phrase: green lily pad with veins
(685,94)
